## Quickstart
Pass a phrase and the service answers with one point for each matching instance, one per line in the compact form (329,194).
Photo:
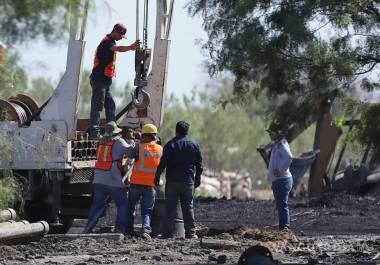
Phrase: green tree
(123,95)
(85,92)
(287,46)
(300,53)
(13,78)
(41,89)
(23,20)
(228,137)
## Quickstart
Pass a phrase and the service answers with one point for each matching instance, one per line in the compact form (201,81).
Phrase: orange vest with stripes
(104,156)
(109,69)
(144,169)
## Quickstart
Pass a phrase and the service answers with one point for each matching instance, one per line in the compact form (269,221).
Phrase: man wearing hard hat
(142,180)
(108,179)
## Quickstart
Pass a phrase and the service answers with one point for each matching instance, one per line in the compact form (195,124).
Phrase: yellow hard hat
(149,128)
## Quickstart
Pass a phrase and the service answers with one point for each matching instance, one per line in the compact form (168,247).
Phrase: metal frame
(156,81)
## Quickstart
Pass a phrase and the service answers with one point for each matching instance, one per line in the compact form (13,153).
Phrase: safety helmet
(112,128)
(149,129)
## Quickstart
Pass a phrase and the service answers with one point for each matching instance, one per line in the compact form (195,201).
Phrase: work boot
(191,236)
(146,236)
(285,229)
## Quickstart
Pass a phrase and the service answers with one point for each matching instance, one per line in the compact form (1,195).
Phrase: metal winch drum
(19,108)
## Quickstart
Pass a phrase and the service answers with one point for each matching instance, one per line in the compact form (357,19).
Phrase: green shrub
(9,189)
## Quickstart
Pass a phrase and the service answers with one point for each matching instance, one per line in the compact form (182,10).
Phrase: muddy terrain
(338,229)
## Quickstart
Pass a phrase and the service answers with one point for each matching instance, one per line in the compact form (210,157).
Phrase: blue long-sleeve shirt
(182,159)
(280,159)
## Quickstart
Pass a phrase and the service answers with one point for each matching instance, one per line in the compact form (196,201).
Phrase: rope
(21,113)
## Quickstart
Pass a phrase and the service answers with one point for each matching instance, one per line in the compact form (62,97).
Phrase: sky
(185,70)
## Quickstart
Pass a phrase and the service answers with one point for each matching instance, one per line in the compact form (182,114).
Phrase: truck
(47,147)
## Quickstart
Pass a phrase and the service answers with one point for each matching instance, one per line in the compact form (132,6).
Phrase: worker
(108,177)
(142,186)
(129,137)
(101,77)
(279,174)
(183,162)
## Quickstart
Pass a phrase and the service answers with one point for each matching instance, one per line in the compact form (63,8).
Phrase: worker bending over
(101,77)
(108,176)
(279,174)
(142,180)
(183,162)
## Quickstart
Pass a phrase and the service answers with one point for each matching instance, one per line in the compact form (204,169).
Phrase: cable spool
(19,108)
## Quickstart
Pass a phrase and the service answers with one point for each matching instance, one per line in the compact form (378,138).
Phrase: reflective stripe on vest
(145,168)
(109,69)
(104,159)
(104,156)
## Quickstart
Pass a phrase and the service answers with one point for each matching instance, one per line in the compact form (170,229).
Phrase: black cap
(275,128)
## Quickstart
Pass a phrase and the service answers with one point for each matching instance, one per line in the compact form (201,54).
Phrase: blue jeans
(185,194)
(147,196)
(118,195)
(281,189)
(101,96)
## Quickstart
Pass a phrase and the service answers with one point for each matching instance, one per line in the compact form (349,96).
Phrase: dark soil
(337,229)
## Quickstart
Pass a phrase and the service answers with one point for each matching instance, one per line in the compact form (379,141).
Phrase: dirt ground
(338,229)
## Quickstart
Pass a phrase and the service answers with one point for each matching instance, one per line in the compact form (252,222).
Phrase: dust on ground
(337,229)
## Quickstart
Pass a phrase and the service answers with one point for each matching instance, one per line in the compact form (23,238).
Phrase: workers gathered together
(146,159)
(182,159)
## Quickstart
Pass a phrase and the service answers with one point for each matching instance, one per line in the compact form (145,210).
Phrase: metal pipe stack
(13,232)
(83,149)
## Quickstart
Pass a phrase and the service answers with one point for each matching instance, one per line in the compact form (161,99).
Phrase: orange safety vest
(104,156)
(109,69)
(144,169)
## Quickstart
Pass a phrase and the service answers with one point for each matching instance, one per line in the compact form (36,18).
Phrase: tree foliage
(23,20)
(229,135)
(13,78)
(300,53)
(289,47)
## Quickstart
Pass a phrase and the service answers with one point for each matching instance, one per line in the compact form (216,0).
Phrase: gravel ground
(338,229)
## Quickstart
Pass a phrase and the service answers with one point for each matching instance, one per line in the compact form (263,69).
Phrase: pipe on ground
(16,233)
(8,214)
(12,223)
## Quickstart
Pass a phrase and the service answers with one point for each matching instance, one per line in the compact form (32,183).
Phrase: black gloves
(197,182)
(157,181)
